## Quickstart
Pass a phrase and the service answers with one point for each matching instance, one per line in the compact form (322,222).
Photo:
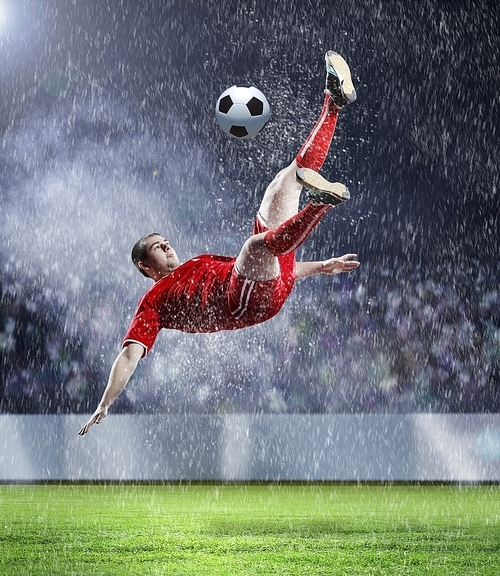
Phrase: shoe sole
(340,66)
(320,191)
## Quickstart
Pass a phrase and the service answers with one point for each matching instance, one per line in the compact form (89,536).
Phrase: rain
(108,133)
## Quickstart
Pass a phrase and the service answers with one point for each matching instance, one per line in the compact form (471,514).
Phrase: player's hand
(345,263)
(96,418)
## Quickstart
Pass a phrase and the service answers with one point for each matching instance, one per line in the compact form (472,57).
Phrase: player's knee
(286,177)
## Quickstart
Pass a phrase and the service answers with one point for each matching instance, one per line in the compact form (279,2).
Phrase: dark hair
(139,251)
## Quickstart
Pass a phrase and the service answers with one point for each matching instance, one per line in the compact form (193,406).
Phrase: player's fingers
(84,429)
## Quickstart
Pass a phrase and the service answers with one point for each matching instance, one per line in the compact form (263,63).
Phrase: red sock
(315,149)
(294,231)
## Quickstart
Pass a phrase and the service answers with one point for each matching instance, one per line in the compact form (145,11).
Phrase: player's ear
(145,269)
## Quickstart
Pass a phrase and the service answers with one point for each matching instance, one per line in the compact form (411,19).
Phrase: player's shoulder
(208,264)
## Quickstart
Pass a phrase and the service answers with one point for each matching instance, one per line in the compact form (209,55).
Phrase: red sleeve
(144,327)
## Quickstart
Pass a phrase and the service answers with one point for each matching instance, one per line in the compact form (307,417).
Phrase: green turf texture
(198,530)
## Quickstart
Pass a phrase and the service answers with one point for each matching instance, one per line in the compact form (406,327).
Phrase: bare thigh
(255,262)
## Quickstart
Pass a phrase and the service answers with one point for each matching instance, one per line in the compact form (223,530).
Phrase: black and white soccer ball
(242,111)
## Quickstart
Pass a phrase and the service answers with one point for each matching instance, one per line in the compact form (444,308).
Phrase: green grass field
(232,530)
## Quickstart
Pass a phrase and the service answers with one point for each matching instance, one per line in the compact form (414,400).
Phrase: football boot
(319,190)
(338,80)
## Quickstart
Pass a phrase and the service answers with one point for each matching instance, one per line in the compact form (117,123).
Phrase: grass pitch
(233,530)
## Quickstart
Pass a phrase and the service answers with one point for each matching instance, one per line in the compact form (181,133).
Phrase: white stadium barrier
(239,447)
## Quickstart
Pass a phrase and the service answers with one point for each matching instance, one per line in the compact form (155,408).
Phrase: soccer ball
(242,111)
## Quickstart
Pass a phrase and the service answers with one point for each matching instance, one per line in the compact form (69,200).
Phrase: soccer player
(211,293)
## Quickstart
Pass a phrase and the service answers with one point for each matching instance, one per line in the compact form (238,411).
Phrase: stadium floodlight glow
(3,14)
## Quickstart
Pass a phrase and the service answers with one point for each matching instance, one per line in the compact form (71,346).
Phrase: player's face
(161,258)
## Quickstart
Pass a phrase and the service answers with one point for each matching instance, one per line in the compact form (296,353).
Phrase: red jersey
(206,294)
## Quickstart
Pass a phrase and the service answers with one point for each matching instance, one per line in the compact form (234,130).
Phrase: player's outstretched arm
(345,263)
(121,371)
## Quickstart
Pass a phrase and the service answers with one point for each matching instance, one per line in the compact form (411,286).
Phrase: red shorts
(255,301)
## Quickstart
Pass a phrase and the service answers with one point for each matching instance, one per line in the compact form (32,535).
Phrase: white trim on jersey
(129,341)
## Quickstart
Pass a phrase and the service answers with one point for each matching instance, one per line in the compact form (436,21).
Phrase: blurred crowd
(378,340)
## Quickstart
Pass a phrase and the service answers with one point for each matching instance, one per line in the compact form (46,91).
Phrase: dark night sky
(419,149)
